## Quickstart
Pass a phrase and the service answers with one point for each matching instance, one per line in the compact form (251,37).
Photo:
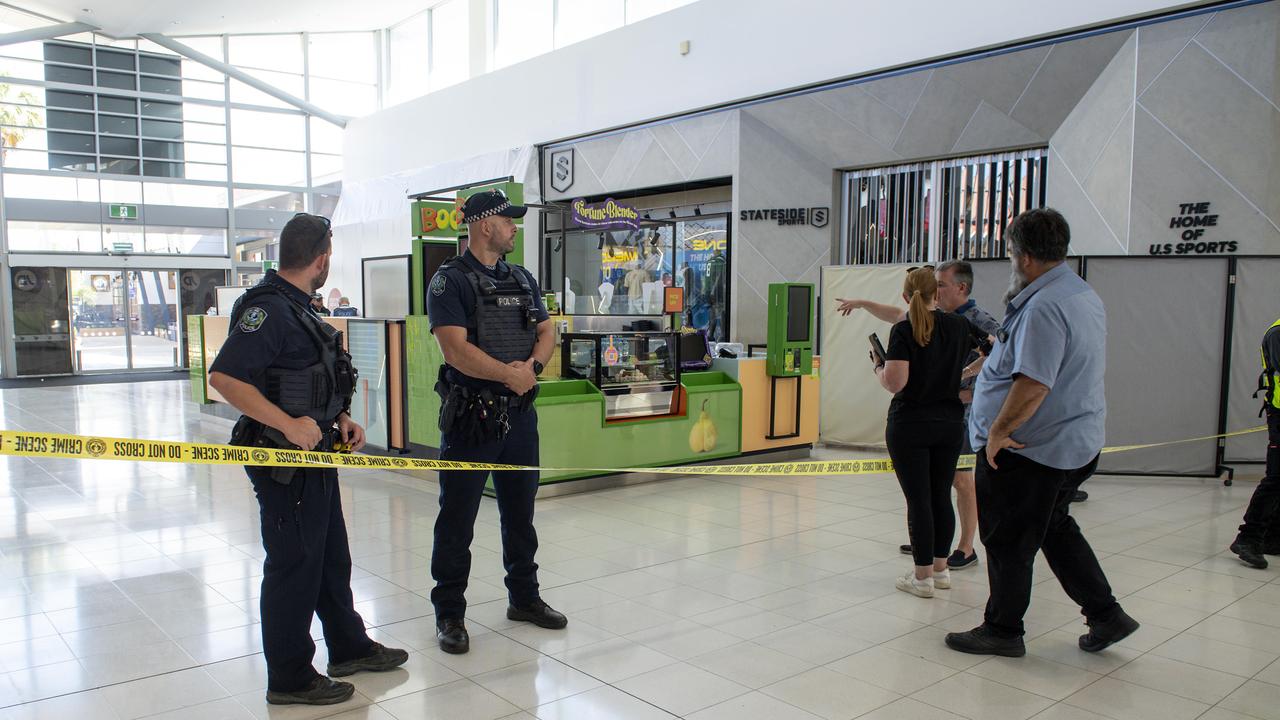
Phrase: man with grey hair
(1037,424)
(955,285)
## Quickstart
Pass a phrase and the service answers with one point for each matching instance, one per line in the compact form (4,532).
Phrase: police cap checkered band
(489,203)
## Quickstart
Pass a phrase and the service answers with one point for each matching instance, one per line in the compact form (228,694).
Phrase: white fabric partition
(853,403)
(1165,327)
(1257,305)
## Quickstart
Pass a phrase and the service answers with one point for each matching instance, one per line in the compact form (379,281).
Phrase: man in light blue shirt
(1037,425)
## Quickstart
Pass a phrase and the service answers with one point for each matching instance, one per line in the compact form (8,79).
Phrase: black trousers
(307,572)
(924,457)
(1262,517)
(1024,507)
(460,492)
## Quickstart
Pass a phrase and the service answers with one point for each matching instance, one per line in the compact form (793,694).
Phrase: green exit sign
(124,212)
(270,265)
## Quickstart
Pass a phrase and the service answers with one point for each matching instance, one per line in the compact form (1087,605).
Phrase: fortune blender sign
(604,215)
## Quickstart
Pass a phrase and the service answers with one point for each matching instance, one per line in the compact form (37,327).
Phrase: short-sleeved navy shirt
(932,392)
(266,332)
(451,301)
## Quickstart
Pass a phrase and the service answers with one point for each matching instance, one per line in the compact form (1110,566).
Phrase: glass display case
(638,372)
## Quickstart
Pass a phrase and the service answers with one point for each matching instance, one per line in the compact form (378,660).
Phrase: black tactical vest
(321,391)
(506,323)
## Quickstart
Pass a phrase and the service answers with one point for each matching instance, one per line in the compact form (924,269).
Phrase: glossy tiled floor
(130,591)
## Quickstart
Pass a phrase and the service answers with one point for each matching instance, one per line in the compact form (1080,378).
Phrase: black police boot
(981,641)
(321,691)
(1103,634)
(452,636)
(380,659)
(1271,547)
(1079,496)
(1249,554)
(538,613)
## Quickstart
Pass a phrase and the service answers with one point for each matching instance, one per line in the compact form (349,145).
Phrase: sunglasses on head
(321,218)
(919,267)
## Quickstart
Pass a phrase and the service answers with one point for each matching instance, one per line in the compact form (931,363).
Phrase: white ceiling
(126,18)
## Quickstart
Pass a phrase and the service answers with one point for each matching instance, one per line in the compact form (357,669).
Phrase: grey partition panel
(1164,359)
(1257,305)
(991,282)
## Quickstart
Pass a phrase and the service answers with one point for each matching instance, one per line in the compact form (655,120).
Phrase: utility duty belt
(251,433)
(476,416)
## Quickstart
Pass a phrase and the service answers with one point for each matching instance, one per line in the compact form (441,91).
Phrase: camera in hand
(981,340)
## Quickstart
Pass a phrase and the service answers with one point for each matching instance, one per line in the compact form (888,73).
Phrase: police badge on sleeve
(437,284)
(252,319)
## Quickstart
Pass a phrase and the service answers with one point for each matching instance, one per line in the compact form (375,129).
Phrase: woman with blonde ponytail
(925,356)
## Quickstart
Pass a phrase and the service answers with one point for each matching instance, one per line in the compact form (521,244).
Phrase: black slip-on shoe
(1080,496)
(1102,635)
(981,641)
(958,561)
(380,659)
(321,691)
(538,613)
(452,636)
(905,549)
(1249,555)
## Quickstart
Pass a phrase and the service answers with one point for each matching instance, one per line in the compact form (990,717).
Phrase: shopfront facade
(1153,138)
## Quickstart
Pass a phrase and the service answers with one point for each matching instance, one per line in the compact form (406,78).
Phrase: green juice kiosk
(609,400)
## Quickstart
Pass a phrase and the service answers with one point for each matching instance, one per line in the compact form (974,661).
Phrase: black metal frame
(773,404)
(773,399)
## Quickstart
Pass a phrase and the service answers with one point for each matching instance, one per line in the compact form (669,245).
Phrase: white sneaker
(919,588)
(942,580)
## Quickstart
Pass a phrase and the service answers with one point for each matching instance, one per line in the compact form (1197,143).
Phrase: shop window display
(616,272)
(622,272)
(702,262)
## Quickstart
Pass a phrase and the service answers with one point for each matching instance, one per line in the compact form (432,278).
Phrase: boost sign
(434,218)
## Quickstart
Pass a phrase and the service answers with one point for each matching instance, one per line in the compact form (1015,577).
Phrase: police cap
(489,203)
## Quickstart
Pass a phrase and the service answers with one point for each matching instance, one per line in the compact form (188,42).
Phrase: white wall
(740,49)
(489,126)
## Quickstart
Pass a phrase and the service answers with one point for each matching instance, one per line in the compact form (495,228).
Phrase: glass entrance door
(99,320)
(42,341)
(153,326)
(124,320)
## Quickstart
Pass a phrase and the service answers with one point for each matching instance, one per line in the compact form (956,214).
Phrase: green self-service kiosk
(790,349)
(789,352)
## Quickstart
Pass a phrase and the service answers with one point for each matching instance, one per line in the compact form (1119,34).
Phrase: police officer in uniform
(489,320)
(1259,535)
(286,370)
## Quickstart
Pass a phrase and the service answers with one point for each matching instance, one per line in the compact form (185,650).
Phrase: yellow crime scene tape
(51,445)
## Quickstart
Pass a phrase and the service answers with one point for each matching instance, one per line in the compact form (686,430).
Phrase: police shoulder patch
(438,284)
(252,319)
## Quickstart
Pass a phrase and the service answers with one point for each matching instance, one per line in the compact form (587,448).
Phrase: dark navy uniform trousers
(460,492)
(1262,518)
(307,572)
